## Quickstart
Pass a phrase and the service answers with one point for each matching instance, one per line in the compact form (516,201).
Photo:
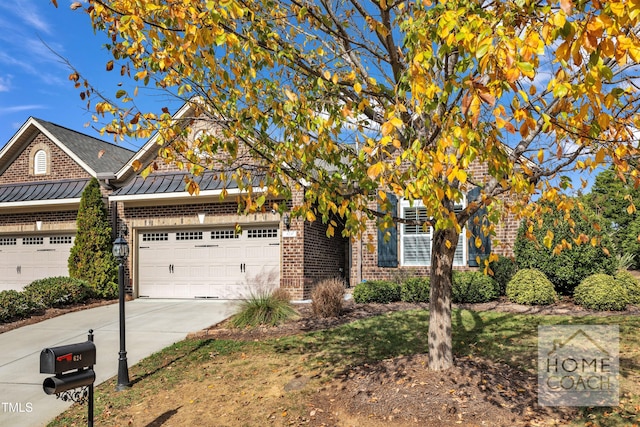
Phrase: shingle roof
(159,183)
(43,190)
(101,156)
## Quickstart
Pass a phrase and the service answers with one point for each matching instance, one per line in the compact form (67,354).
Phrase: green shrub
(91,256)
(327,298)
(415,289)
(531,287)
(263,308)
(17,305)
(503,270)
(58,291)
(601,292)
(379,291)
(629,244)
(631,284)
(473,287)
(567,268)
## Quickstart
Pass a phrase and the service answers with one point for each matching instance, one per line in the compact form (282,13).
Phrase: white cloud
(19,108)
(27,12)
(15,62)
(5,83)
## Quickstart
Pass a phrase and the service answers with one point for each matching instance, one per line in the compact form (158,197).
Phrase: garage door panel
(28,258)
(208,263)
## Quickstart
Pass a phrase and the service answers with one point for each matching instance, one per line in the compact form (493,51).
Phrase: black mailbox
(63,382)
(57,360)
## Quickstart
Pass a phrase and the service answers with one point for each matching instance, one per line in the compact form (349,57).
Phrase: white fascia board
(7,147)
(152,142)
(66,149)
(32,203)
(183,195)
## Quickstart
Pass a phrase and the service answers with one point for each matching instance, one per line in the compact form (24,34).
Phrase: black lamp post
(120,252)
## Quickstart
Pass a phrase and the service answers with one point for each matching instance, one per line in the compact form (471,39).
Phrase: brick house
(43,171)
(182,246)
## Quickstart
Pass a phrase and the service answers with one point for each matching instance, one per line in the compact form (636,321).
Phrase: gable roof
(92,154)
(149,151)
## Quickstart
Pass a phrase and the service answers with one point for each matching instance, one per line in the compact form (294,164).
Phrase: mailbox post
(72,366)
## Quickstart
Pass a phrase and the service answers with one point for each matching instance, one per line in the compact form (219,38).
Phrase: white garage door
(24,259)
(212,263)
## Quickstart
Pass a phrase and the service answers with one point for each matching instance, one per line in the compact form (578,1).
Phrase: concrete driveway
(151,325)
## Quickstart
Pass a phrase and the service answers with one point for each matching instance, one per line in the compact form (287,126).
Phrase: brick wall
(61,166)
(26,222)
(325,257)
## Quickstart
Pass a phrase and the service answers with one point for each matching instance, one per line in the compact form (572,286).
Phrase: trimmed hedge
(503,270)
(601,292)
(415,289)
(380,291)
(16,305)
(59,291)
(531,287)
(473,287)
(42,294)
(631,284)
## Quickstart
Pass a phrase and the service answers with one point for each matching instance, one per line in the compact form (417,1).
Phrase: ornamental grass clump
(263,308)
(531,287)
(601,292)
(327,298)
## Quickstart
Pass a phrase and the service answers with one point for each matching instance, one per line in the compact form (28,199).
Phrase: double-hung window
(416,240)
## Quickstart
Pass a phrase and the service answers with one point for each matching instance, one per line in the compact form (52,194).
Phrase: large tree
(355,100)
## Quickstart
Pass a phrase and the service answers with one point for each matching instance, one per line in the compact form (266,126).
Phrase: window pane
(415,214)
(417,249)
(416,240)
(458,258)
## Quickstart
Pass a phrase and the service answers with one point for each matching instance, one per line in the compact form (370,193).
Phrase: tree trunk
(440,351)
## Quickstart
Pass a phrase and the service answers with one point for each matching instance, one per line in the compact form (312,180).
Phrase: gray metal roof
(44,190)
(159,183)
(101,156)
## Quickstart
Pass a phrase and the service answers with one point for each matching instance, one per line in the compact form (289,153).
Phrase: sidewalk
(151,325)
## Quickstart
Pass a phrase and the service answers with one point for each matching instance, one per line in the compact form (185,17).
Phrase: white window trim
(462,243)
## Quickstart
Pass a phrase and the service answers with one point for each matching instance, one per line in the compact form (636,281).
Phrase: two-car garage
(208,262)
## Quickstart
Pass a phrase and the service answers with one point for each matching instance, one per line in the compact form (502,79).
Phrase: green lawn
(509,338)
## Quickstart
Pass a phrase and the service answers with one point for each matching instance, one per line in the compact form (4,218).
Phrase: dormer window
(40,163)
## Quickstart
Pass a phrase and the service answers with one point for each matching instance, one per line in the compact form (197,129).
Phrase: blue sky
(34,81)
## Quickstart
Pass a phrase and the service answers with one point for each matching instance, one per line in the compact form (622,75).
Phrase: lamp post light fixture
(121,252)
(287,221)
